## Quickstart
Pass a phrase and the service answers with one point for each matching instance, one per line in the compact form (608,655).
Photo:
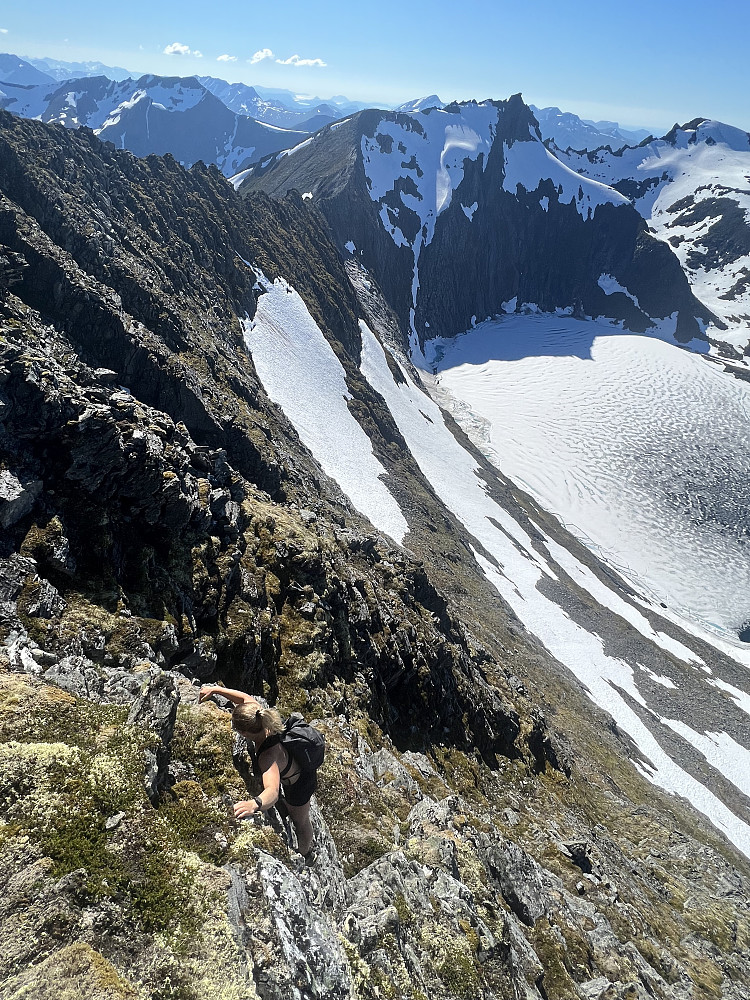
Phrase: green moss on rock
(75,972)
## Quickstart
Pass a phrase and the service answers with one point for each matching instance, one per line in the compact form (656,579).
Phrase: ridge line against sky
(649,66)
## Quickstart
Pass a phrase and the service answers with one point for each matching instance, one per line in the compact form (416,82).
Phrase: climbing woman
(281,773)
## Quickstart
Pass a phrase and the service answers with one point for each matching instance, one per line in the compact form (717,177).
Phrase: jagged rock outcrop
(441,897)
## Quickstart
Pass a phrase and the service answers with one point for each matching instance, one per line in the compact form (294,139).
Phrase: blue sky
(644,63)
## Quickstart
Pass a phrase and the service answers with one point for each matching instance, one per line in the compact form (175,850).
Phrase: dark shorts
(300,793)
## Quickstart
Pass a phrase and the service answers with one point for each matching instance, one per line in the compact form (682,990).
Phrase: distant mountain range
(59,69)
(194,118)
(273,110)
(154,115)
(672,182)
(369,431)
(568,131)
(288,110)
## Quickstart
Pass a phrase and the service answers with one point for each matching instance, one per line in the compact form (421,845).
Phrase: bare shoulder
(274,754)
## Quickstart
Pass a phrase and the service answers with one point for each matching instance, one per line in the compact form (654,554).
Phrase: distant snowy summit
(692,188)
(421,104)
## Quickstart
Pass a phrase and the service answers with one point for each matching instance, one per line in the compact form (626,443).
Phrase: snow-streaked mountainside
(462,213)
(20,72)
(220,464)
(680,701)
(568,131)
(693,189)
(154,114)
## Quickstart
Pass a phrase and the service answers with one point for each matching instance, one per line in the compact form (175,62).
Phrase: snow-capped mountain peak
(154,114)
(710,132)
(471,188)
(692,188)
(421,104)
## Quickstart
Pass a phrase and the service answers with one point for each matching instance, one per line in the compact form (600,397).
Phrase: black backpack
(304,744)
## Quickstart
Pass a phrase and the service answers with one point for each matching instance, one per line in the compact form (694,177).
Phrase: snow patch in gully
(291,355)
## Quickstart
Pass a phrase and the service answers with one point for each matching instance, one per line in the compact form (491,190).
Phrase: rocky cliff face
(162,524)
(461,213)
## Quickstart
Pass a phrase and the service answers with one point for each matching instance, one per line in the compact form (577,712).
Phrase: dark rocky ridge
(512,248)
(176,529)
(163,322)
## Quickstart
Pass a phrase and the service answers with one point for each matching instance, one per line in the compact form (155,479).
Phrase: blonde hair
(251,717)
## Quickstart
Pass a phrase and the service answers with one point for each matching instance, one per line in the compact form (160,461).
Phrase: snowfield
(550,394)
(291,355)
(527,164)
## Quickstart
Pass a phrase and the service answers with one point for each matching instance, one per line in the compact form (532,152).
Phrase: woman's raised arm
(238,697)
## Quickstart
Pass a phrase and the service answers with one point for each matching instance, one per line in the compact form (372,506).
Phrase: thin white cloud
(260,55)
(295,60)
(178,49)
(226,58)
(3,31)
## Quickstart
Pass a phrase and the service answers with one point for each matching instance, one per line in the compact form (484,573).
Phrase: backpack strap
(289,762)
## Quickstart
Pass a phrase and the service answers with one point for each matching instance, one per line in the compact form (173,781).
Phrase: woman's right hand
(205,692)
(246,809)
